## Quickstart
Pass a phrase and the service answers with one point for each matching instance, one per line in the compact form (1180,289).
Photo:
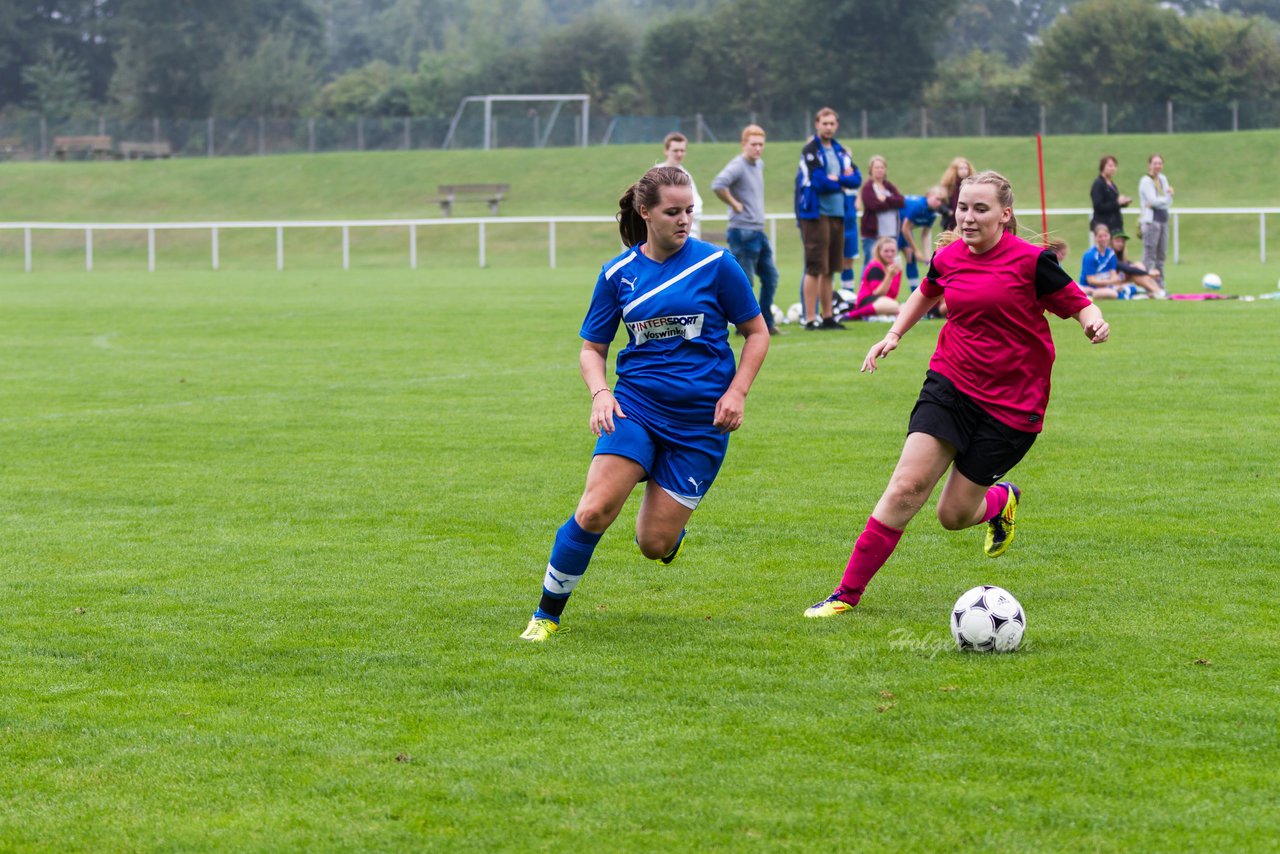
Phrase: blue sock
(570,554)
(846,275)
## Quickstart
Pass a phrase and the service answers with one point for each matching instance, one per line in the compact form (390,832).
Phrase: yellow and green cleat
(1001,529)
(539,630)
(832,606)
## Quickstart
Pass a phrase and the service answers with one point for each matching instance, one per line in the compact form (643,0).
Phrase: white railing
(1030,218)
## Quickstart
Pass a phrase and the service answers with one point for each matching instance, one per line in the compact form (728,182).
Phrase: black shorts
(986,449)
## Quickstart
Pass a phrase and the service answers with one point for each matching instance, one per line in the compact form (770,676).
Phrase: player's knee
(594,516)
(952,519)
(654,546)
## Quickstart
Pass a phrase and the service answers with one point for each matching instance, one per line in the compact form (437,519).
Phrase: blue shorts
(682,459)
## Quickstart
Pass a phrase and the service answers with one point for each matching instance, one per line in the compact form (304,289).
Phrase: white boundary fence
(1030,218)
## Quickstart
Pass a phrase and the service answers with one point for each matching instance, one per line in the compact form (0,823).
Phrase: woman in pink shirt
(987,386)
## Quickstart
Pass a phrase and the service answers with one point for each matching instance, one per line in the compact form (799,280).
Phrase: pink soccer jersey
(995,344)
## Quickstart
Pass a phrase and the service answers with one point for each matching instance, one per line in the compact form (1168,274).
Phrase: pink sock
(859,313)
(997,497)
(872,549)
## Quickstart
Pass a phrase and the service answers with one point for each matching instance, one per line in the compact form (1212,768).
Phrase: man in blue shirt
(826,170)
(919,212)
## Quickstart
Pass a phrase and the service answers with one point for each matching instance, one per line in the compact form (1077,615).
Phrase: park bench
(12,146)
(451,194)
(145,150)
(97,147)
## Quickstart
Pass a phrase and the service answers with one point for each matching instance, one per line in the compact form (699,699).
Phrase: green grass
(265,533)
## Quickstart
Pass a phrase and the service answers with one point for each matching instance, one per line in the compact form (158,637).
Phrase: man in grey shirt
(740,185)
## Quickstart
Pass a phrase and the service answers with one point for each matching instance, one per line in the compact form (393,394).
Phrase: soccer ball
(1212,281)
(777,315)
(988,619)
(795,313)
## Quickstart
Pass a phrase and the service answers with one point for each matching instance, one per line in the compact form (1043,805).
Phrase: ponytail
(645,193)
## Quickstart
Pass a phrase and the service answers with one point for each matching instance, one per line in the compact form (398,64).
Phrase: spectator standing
(959,169)
(675,146)
(881,202)
(1106,197)
(1156,197)
(826,170)
(919,212)
(740,185)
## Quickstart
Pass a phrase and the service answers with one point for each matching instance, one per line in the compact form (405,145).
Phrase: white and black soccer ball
(795,313)
(776,313)
(988,619)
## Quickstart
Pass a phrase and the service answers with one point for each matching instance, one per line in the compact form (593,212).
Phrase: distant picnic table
(145,150)
(451,194)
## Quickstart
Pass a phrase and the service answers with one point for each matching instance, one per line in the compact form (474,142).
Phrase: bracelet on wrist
(891,332)
(597,391)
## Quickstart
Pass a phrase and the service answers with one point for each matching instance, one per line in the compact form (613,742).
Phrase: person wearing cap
(1134,274)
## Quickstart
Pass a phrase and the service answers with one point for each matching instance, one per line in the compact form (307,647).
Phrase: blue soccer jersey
(677,363)
(918,211)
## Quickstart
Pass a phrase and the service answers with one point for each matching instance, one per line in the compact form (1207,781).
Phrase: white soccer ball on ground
(794,313)
(1212,281)
(988,619)
(777,315)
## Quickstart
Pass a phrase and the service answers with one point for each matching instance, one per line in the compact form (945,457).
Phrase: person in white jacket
(1156,197)
(675,146)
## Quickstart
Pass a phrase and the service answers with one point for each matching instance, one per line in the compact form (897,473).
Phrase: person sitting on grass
(1098,276)
(881,281)
(1133,272)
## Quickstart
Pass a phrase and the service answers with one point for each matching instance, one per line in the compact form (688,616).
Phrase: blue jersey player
(678,395)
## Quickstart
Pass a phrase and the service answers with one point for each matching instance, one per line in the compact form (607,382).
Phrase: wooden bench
(145,150)
(451,194)
(97,147)
(12,146)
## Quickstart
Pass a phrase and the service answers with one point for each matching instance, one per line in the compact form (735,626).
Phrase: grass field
(270,539)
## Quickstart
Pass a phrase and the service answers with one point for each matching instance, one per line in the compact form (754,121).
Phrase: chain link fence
(35,138)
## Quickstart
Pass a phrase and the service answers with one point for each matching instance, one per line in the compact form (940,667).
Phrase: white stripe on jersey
(616,267)
(669,282)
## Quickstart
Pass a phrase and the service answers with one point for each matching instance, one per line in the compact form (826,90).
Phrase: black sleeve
(875,275)
(933,271)
(1050,277)
(1103,202)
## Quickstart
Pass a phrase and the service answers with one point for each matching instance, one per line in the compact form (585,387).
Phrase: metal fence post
(360,133)
(26,248)
(407,142)
(924,122)
(1168,109)
(215,248)
(311,136)
(279,247)
(209,135)
(1104,118)
(1235,116)
(697,127)
(864,124)
(151,250)
(88,250)
(155,129)
(482,243)
(262,136)
(413,246)
(982,120)
(44,137)
(1042,127)
(346,247)
(551,240)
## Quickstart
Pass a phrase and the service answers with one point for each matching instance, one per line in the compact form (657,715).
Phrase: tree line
(345,58)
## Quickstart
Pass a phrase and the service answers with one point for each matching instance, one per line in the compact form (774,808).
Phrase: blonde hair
(674,136)
(951,177)
(875,252)
(646,192)
(1004,193)
(1057,246)
(827,111)
(750,131)
(946,238)
(872,162)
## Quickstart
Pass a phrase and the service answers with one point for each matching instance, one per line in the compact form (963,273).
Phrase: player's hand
(879,350)
(729,411)
(1097,331)
(603,408)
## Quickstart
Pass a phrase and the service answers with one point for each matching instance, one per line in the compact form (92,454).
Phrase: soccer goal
(533,121)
